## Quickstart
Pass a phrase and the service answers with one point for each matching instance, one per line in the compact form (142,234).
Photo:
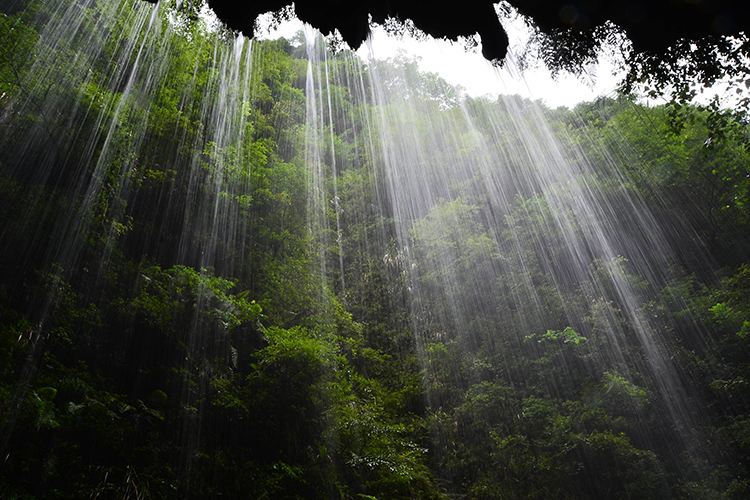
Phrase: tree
(668,43)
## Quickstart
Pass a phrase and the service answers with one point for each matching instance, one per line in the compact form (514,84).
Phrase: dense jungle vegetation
(179,318)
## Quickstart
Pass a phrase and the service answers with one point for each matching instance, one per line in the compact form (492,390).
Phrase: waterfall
(265,267)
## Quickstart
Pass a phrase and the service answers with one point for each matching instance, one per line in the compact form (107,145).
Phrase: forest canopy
(663,43)
(233,268)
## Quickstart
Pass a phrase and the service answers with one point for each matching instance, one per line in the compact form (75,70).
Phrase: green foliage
(18,42)
(168,298)
(333,350)
(567,335)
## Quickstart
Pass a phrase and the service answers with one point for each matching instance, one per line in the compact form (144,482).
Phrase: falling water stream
(130,135)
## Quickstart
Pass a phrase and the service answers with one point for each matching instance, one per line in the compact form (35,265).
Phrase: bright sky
(473,72)
(470,70)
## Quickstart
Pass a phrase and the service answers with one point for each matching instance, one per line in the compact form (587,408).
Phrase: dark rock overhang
(652,25)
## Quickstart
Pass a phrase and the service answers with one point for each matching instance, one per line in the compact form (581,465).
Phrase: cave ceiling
(651,26)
